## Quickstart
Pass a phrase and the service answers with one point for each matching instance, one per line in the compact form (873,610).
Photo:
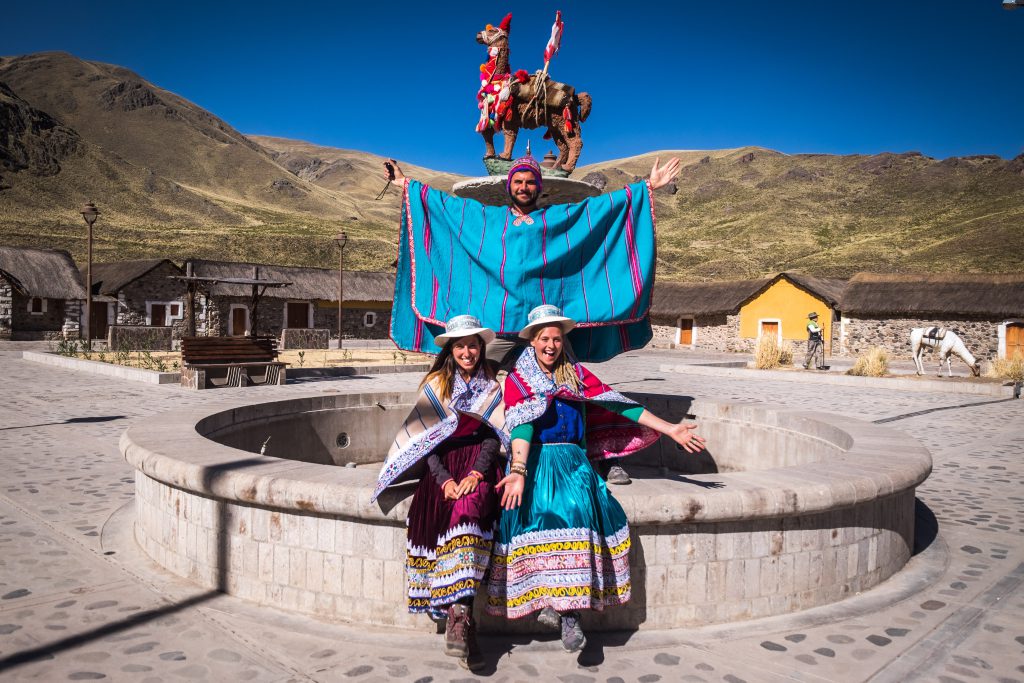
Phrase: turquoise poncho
(593,259)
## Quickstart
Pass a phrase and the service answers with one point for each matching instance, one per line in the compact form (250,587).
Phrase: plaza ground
(79,601)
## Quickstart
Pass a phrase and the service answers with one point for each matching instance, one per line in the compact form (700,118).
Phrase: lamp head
(341,238)
(90,213)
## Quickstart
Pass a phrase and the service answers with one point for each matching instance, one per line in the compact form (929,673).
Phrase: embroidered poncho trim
(430,422)
(594,259)
(529,391)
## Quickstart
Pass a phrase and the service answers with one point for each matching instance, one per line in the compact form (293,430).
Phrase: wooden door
(98,324)
(686,332)
(770,329)
(1014,340)
(239,320)
(158,315)
(298,314)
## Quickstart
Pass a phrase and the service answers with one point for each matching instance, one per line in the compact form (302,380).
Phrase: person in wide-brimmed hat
(815,344)
(451,441)
(558,514)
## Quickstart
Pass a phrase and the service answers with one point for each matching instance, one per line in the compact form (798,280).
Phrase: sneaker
(617,475)
(455,631)
(550,618)
(573,639)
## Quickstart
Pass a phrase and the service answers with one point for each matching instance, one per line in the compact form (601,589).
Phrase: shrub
(873,363)
(1007,368)
(770,354)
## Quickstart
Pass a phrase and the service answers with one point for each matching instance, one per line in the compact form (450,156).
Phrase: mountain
(173,180)
(752,211)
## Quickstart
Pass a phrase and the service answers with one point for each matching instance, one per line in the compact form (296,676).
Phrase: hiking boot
(474,659)
(550,618)
(455,631)
(573,639)
(617,475)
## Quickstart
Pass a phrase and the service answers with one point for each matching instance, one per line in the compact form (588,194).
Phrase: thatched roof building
(46,273)
(972,295)
(831,290)
(306,283)
(110,278)
(671,299)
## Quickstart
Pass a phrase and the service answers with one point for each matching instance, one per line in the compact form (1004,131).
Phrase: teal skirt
(567,545)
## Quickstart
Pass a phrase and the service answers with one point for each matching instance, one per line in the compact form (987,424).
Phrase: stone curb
(1006,390)
(350,370)
(99,368)
(154,377)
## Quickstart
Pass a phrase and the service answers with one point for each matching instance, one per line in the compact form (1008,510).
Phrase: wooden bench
(211,362)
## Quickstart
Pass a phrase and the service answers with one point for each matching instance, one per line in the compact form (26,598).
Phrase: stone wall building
(733,315)
(700,315)
(986,311)
(310,301)
(41,294)
(137,293)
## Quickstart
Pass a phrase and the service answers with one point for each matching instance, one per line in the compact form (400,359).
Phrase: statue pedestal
(490,190)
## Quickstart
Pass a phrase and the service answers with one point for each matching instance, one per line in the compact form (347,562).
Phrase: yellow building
(781,307)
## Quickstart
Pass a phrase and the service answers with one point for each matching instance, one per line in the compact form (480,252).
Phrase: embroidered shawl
(594,259)
(431,422)
(529,391)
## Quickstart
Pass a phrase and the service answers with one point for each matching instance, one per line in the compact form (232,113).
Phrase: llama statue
(946,342)
(510,101)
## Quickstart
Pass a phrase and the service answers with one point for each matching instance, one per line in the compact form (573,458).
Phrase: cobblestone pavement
(79,601)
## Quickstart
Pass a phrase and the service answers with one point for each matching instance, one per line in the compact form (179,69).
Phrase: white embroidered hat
(543,316)
(464,326)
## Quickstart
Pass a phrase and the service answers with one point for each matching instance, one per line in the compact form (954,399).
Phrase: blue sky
(400,78)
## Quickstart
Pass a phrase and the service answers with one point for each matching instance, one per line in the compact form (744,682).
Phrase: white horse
(946,342)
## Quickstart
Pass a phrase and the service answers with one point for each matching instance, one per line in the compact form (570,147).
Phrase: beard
(527,201)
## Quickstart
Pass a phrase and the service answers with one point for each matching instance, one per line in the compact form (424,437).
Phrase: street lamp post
(90,213)
(341,239)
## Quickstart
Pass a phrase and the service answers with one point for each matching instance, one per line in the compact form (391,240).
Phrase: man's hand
(663,175)
(399,176)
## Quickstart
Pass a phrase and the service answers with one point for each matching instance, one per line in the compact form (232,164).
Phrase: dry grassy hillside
(752,211)
(173,180)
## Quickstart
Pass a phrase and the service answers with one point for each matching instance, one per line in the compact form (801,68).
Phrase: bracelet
(518,468)
(476,475)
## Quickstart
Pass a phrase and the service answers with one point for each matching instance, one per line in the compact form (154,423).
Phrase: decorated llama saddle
(933,335)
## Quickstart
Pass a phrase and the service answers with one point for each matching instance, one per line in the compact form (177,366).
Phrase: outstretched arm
(663,175)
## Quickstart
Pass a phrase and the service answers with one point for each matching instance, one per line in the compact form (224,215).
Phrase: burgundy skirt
(448,547)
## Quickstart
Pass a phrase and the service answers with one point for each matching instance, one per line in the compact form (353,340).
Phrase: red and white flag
(556,38)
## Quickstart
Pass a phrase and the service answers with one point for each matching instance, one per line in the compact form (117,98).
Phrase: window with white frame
(369,319)
(37,305)
(164,313)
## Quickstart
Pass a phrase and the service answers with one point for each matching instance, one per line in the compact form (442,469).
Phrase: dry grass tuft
(1007,368)
(769,354)
(873,363)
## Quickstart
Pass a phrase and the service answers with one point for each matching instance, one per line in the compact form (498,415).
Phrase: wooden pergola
(193,282)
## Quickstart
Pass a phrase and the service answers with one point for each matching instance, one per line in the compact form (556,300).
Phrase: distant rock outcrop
(129,96)
(31,140)
(598,180)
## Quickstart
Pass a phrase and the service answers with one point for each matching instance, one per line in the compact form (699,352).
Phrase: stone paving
(79,601)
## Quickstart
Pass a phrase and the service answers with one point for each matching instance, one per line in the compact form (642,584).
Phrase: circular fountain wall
(787,510)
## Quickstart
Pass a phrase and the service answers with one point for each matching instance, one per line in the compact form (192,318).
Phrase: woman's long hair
(565,366)
(444,368)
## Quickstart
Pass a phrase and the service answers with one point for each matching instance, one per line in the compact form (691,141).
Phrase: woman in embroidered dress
(453,430)
(563,541)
